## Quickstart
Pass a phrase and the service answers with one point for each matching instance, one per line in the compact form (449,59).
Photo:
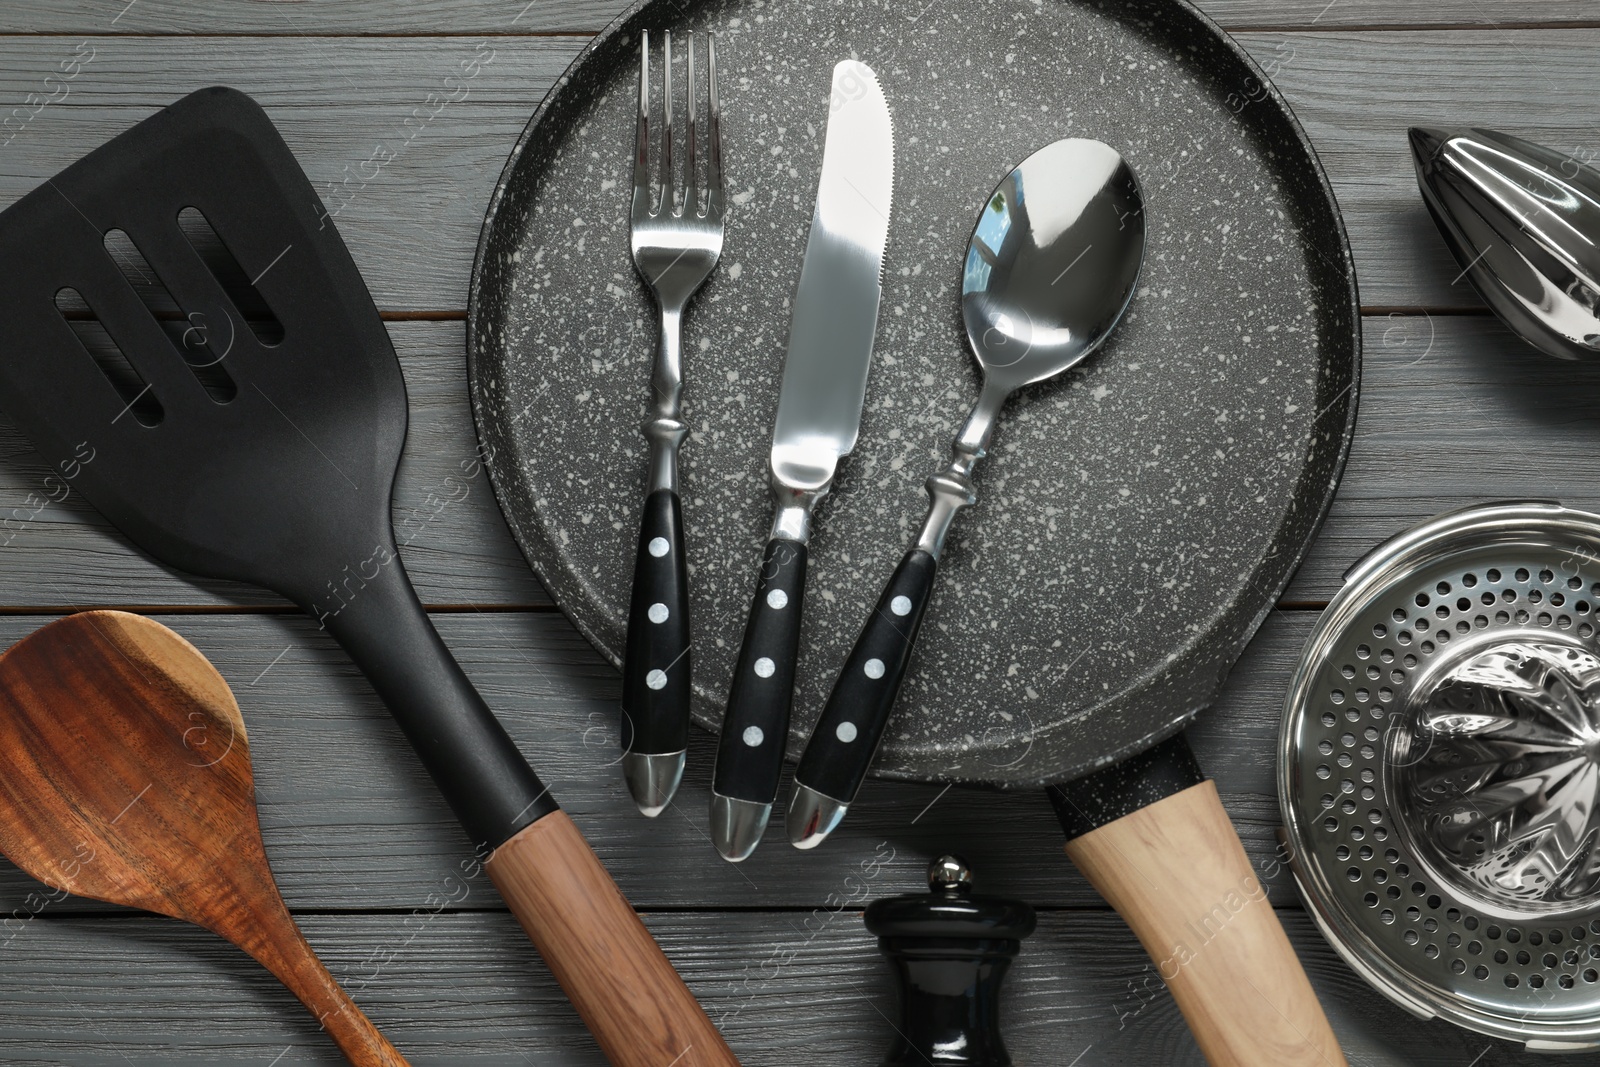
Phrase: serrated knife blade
(819,415)
(841,285)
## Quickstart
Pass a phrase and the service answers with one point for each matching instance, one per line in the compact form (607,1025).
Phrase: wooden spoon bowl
(125,776)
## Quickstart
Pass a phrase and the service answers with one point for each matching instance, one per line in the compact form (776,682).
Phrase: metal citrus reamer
(1439,772)
(1524,221)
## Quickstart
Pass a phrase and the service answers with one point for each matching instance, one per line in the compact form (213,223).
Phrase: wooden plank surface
(352,822)
(1357,93)
(1454,412)
(376,17)
(457,989)
(337,98)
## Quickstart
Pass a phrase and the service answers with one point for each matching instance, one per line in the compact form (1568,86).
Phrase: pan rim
(1341,263)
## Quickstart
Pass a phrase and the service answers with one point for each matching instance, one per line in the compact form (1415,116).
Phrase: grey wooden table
(1453,412)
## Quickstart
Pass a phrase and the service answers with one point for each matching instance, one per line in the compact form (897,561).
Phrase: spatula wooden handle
(1176,872)
(612,970)
(281,948)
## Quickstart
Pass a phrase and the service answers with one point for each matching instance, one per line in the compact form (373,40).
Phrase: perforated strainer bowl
(1439,772)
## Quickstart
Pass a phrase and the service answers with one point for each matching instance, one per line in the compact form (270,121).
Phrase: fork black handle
(756,723)
(842,745)
(655,664)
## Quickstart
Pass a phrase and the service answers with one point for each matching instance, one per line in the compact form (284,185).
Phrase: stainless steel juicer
(1523,221)
(1439,772)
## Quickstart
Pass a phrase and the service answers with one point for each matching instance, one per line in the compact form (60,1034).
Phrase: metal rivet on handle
(765,667)
(656,679)
(873,669)
(658,546)
(658,613)
(777,599)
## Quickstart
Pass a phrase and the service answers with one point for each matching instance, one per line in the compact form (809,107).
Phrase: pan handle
(1177,874)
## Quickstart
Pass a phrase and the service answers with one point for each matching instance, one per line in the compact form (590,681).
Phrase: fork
(676,242)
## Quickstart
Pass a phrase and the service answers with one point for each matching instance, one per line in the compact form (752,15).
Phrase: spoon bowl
(127,779)
(1049,271)
(1052,262)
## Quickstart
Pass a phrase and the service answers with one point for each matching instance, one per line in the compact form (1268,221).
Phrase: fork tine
(641,141)
(666,125)
(691,197)
(714,190)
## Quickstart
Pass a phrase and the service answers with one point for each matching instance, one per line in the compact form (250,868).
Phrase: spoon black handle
(655,663)
(841,746)
(756,724)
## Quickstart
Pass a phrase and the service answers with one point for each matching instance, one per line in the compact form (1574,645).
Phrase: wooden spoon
(127,779)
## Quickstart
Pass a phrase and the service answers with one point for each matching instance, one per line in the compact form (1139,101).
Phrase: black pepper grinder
(951,951)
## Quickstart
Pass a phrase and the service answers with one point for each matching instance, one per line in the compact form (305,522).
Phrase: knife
(819,415)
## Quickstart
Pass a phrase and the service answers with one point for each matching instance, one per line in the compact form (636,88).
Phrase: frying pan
(1140,516)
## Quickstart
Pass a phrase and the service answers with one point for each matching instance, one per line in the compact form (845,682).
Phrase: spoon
(1049,272)
(127,779)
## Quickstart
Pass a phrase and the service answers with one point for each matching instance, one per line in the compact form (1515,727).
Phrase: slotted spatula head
(286,483)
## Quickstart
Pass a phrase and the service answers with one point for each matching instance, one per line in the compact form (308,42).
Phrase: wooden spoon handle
(1176,872)
(282,949)
(612,970)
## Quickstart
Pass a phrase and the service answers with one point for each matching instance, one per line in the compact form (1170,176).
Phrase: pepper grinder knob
(949,872)
(950,950)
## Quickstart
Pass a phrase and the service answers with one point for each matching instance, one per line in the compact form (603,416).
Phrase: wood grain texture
(1454,412)
(1357,93)
(336,779)
(351,822)
(1486,15)
(1176,872)
(466,990)
(360,17)
(336,99)
(618,979)
(128,780)
(365,17)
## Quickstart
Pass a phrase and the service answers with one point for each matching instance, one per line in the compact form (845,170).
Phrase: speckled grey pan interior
(1138,517)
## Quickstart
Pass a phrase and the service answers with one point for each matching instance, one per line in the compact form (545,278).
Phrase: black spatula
(237,454)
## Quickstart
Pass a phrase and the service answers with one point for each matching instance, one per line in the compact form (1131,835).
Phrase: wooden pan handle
(1176,872)
(612,970)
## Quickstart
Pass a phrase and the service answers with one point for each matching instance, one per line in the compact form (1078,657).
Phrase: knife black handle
(841,746)
(655,663)
(756,724)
